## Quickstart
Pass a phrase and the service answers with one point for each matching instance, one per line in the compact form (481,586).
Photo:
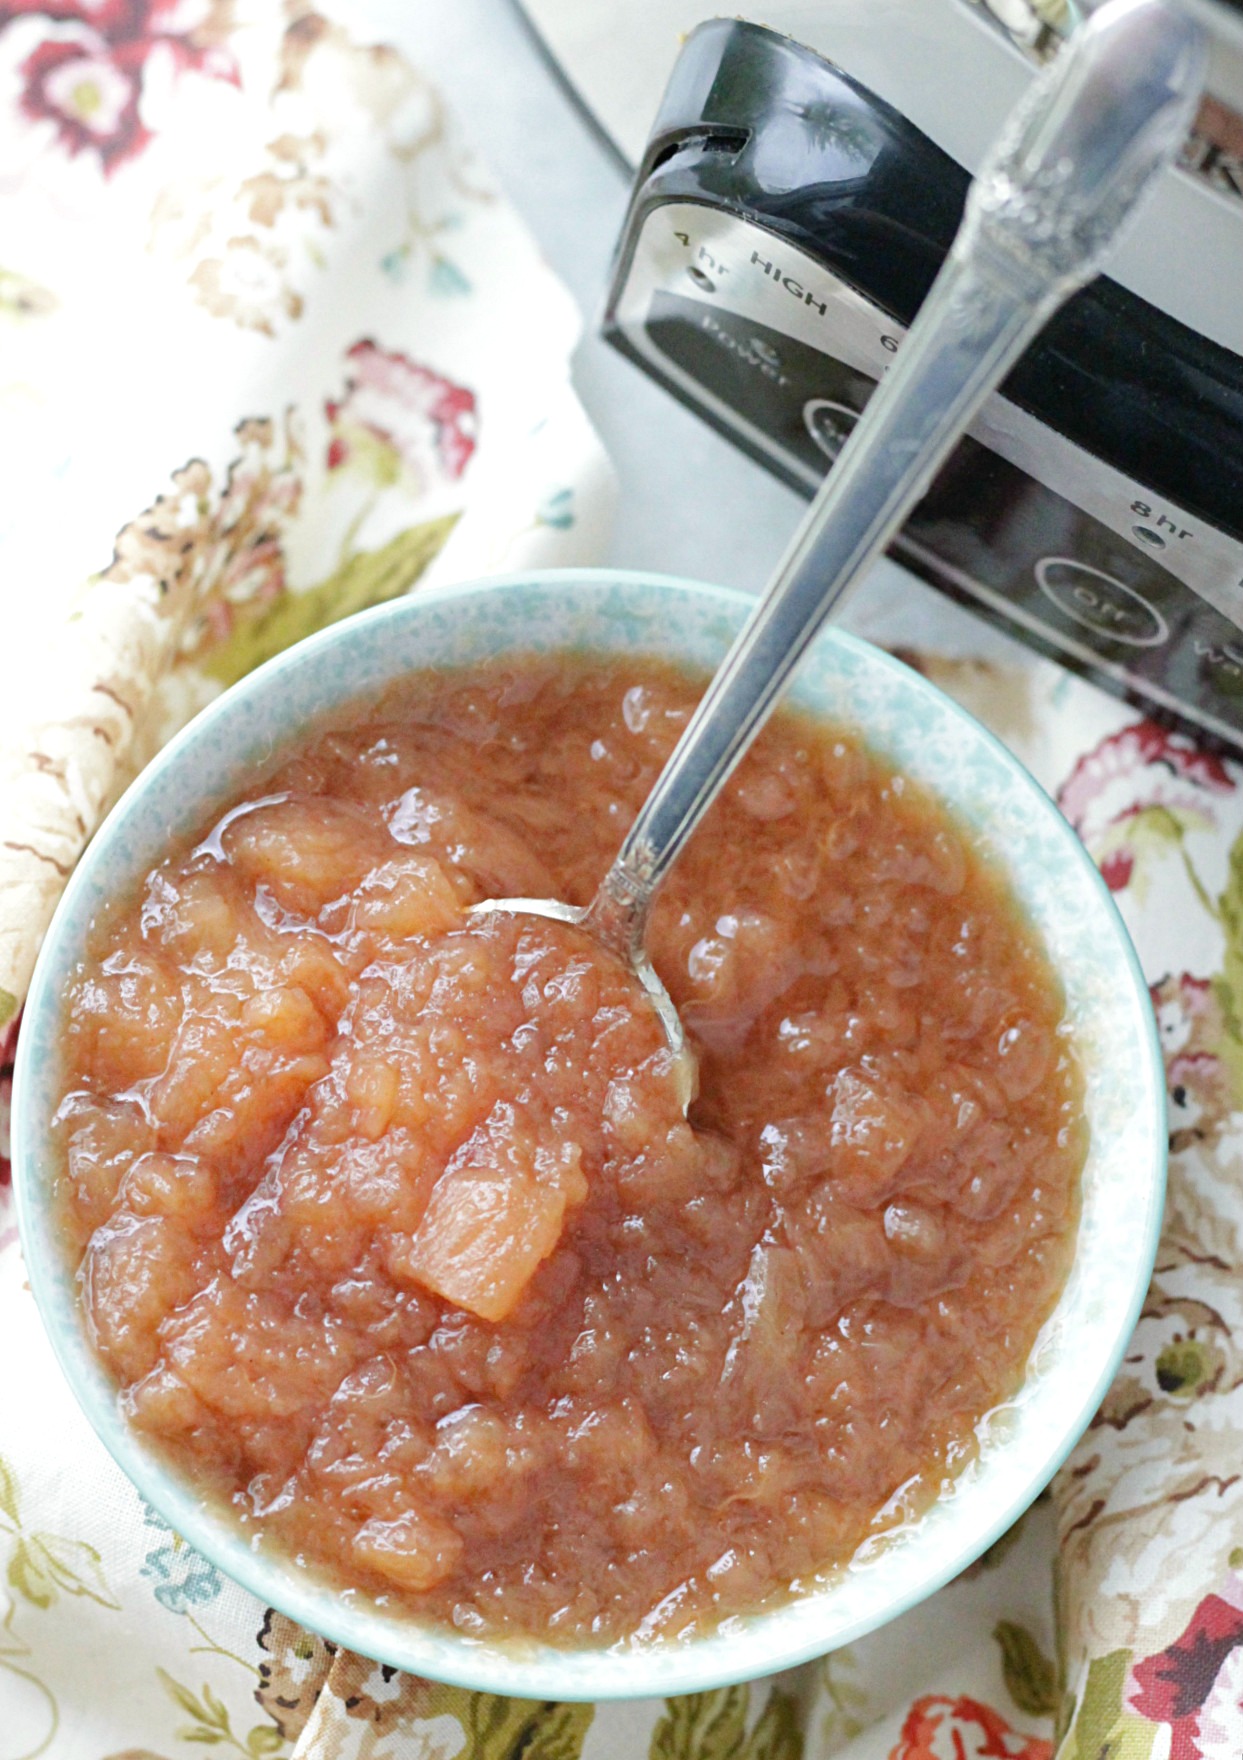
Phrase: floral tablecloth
(272,349)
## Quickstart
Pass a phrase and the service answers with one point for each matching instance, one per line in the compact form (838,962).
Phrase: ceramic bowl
(906,721)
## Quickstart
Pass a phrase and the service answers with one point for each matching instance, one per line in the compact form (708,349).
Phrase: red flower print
(1140,766)
(940,1728)
(113,20)
(1137,796)
(88,81)
(1140,747)
(1174,1684)
(1116,869)
(90,94)
(399,416)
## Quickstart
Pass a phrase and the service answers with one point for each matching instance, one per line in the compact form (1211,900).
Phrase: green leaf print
(218,1711)
(43,1565)
(210,1725)
(713,1726)
(8,1480)
(496,1728)
(1229,984)
(370,578)
(26,1575)
(74,1566)
(558,1732)
(1031,1678)
(1132,1738)
(14,1650)
(1100,1709)
(703,1726)
(8,1006)
(182,1696)
(493,1725)
(777,1735)
(263,1739)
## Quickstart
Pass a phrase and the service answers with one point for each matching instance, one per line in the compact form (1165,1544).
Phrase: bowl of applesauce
(374,1240)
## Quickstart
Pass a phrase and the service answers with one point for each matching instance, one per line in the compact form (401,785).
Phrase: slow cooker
(799,184)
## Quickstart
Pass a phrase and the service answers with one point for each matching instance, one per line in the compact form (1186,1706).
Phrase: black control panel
(1111,536)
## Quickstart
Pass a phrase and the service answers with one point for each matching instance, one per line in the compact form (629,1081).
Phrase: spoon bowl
(610,929)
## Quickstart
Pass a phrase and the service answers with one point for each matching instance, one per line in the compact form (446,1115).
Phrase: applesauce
(390,1228)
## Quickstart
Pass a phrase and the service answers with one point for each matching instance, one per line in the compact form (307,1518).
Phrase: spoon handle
(1047,205)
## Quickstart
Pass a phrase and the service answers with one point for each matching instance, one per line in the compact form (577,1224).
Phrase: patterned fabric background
(272,349)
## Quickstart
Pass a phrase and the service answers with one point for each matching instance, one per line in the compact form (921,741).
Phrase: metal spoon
(1066,173)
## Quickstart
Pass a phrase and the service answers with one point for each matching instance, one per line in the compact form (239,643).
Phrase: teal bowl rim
(619,1672)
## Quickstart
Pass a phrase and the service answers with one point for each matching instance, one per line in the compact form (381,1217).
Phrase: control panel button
(1103,604)
(829,424)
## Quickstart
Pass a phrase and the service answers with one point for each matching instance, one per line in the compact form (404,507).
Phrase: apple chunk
(495,1214)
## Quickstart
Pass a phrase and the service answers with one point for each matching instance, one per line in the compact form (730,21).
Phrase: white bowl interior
(906,721)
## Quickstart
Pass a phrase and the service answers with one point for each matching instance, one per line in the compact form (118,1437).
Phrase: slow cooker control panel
(1056,516)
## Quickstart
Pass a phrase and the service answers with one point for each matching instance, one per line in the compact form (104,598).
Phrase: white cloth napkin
(272,348)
